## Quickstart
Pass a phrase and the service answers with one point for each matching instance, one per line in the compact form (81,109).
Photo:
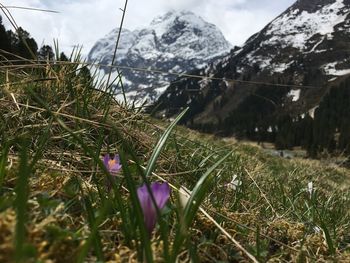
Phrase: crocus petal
(161,194)
(106,159)
(310,188)
(118,167)
(231,186)
(234,178)
(112,164)
(115,168)
(149,212)
(235,183)
(116,158)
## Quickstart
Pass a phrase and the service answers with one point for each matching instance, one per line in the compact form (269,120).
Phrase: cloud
(85,21)
(78,22)
(180,4)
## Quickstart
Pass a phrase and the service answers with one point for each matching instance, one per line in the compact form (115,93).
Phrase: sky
(83,22)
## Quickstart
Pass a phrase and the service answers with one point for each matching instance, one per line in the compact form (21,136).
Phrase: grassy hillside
(58,202)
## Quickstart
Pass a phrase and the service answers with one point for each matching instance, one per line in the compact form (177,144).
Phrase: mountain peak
(306,46)
(177,42)
(171,15)
(180,21)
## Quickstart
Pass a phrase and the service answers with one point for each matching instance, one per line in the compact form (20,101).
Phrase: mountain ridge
(305,46)
(178,42)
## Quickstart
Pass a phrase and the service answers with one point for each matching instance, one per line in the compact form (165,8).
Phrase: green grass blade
(3,162)
(327,236)
(96,239)
(161,143)
(145,241)
(329,240)
(192,206)
(149,169)
(42,143)
(22,194)
(94,234)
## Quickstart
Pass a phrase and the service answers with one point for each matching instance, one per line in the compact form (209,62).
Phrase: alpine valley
(176,42)
(288,84)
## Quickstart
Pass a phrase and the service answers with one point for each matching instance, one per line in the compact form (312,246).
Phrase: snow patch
(107,44)
(280,68)
(316,45)
(295,94)
(330,69)
(312,111)
(286,28)
(161,90)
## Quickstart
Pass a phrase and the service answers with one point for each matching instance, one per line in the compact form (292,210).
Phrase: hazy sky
(85,21)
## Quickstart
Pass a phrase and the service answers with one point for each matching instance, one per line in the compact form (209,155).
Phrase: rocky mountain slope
(175,42)
(286,69)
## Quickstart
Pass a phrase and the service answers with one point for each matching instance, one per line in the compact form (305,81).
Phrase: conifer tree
(25,46)
(5,43)
(63,57)
(46,53)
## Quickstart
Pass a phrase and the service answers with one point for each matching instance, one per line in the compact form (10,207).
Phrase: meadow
(64,200)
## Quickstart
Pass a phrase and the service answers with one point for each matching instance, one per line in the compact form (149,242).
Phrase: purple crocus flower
(161,194)
(112,164)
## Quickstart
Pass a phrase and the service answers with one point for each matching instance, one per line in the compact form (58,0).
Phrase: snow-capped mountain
(176,42)
(307,29)
(307,45)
